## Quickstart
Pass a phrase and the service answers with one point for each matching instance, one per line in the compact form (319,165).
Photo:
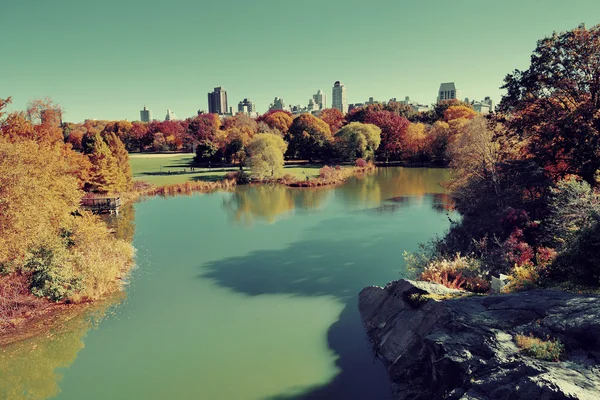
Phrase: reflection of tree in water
(123,224)
(389,183)
(28,369)
(267,202)
(443,202)
(261,202)
(311,198)
(393,184)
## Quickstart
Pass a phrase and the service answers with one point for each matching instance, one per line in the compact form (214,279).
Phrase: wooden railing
(101,204)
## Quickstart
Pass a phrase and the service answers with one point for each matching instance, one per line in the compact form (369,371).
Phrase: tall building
(371,101)
(278,104)
(246,106)
(320,100)
(217,101)
(338,97)
(170,116)
(145,115)
(483,107)
(447,91)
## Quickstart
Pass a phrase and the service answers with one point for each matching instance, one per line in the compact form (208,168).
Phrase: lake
(248,294)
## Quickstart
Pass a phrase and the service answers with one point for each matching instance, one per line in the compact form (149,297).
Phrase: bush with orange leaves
(462,273)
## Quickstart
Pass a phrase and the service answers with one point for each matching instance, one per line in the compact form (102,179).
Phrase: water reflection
(30,369)
(123,224)
(386,190)
(269,203)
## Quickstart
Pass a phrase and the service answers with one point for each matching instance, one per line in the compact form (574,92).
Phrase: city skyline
(104,61)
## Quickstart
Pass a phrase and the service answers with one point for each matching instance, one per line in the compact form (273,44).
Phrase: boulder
(439,343)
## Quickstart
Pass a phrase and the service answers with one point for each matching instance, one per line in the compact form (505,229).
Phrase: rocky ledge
(464,348)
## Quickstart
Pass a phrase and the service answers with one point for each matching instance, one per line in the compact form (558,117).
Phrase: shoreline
(50,314)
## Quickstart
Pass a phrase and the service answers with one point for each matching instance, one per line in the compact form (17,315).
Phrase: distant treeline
(405,135)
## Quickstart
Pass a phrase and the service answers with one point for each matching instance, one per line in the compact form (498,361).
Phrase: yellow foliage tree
(266,155)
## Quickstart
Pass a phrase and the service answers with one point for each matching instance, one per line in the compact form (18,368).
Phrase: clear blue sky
(107,59)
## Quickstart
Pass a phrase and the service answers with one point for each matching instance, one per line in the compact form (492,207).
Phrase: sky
(107,59)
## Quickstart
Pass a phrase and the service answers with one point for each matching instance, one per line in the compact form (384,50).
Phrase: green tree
(357,140)
(266,155)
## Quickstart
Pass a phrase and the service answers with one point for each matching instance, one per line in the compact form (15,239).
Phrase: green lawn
(165,169)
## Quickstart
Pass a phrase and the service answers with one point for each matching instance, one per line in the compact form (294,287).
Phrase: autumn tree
(456,112)
(37,196)
(266,152)
(3,103)
(357,140)
(278,119)
(46,117)
(204,127)
(437,141)
(309,137)
(554,103)
(16,126)
(333,117)
(105,172)
(415,141)
(393,132)
(117,148)
(401,109)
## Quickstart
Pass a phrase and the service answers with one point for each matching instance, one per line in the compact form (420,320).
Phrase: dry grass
(189,188)
(459,273)
(17,304)
(548,350)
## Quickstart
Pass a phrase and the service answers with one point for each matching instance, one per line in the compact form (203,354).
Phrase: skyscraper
(338,96)
(145,115)
(170,116)
(320,99)
(217,101)
(246,106)
(447,91)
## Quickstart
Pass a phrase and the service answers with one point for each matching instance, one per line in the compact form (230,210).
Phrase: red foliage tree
(334,118)
(393,128)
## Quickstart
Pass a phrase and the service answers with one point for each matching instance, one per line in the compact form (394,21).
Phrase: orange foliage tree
(456,112)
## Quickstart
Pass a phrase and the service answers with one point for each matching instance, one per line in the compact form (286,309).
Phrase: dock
(101,205)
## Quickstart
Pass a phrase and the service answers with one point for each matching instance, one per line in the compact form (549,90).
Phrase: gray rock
(463,348)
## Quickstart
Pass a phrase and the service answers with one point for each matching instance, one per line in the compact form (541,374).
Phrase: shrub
(51,274)
(327,172)
(240,177)
(361,163)
(460,273)
(522,277)
(580,261)
(287,179)
(548,350)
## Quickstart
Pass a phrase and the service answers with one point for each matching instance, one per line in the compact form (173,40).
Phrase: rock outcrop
(464,348)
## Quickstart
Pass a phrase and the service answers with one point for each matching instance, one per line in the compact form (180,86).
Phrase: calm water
(250,294)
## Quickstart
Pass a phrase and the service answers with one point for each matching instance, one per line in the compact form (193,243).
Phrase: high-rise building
(338,97)
(217,101)
(145,115)
(246,106)
(278,104)
(320,100)
(170,116)
(447,91)
(485,106)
